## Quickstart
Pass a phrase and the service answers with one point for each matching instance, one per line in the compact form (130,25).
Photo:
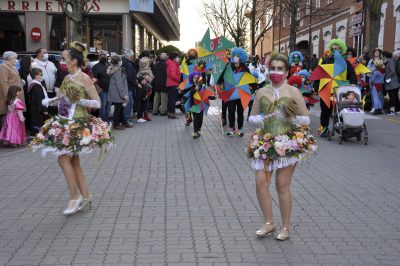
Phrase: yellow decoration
(196,96)
(203,52)
(184,67)
(247,78)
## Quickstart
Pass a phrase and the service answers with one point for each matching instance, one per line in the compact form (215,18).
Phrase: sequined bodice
(282,110)
(75,92)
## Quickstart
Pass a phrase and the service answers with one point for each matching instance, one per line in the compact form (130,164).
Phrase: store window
(12,35)
(137,40)
(58,34)
(105,33)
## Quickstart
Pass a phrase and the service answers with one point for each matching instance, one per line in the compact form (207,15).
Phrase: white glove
(301,120)
(89,103)
(21,116)
(47,101)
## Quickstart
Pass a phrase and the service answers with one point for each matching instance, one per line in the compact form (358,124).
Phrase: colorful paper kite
(236,86)
(199,102)
(185,70)
(330,77)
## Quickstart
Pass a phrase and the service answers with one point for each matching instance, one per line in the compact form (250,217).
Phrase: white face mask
(236,59)
(120,63)
(46,57)
(177,59)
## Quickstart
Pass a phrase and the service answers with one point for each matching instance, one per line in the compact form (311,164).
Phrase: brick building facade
(344,19)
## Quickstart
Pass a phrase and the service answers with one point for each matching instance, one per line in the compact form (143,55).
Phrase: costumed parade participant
(238,65)
(74,131)
(192,54)
(301,81)
(296,62)
(283,140)
(197,101)
(335,45)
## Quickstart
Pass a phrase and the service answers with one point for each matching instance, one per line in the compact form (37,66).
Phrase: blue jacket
(376,78)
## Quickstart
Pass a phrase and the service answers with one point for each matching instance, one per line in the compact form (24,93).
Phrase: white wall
(396,3)
(382,29)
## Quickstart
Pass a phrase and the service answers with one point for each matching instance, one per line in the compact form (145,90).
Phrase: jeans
(377,98)
(233,107)
(129,107)
(163,96)
(172,94)
(105,106)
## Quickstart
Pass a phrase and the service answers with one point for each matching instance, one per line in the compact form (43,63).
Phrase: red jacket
(173,73)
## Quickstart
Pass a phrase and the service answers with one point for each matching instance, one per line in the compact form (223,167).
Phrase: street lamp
(262,45)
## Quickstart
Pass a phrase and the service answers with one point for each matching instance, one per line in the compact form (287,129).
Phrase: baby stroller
(348,117)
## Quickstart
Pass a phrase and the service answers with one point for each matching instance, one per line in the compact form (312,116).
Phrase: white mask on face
(120,63)
(236,59)
(177,59)
(46,57)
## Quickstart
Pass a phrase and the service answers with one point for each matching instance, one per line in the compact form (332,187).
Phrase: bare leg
(65,163)
(80,177)
(263,180)
(283,181)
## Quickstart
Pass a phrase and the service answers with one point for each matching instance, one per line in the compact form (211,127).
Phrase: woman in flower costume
(74,130)
(282,141)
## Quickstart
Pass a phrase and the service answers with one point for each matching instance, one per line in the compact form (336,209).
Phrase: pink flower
(263,156)
(66,140)
(266,146)
(57,132)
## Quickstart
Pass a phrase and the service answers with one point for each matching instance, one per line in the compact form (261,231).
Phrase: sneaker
(240,133)
(324,133)
(128,124)
(141,120)
(372,110)
(230,132)
(391,113)
(195,135)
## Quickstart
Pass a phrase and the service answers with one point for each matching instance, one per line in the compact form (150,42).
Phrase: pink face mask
(276,77)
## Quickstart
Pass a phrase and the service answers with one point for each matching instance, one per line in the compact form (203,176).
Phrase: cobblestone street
(161,198)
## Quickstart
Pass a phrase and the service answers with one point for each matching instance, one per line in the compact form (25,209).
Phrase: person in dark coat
(25,67)
(37,93)
(131,76)
(160,86)
(99,71)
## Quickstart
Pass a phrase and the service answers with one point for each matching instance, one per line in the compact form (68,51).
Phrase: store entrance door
(12,35)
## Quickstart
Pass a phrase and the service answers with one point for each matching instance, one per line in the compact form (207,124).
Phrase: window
(317,4)
(328,2)
(298,14)
(283,21)
(308,5)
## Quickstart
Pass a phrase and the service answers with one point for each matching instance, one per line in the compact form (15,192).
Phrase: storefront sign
(146,6)
(99,6)
(36,34)
(356,30)
(356,19)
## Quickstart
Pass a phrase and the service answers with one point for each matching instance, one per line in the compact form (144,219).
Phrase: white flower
(85,141)
(314,147)
(56,124)
(52,132)
(256,154)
